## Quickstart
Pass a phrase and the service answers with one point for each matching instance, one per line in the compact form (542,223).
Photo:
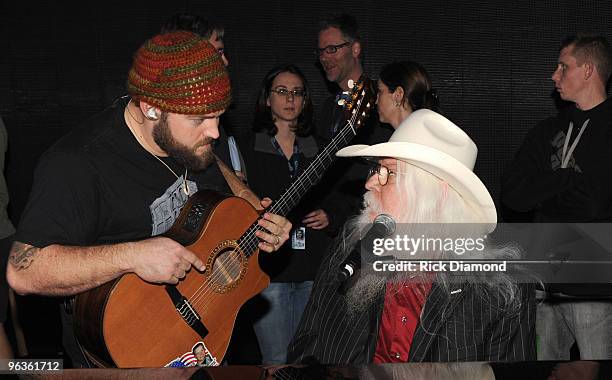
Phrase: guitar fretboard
(309,176)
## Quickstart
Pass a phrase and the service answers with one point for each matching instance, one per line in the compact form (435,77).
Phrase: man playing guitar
(104,193)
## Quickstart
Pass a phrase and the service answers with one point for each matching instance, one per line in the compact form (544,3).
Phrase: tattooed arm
(64,270)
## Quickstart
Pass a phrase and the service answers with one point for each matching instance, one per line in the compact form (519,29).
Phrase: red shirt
(399,320)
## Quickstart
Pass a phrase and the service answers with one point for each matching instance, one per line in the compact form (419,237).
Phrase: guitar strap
(239,188)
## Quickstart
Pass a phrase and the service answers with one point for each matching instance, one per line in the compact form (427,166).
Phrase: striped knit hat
(180,72)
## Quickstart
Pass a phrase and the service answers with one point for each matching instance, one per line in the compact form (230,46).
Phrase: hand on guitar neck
(278,228)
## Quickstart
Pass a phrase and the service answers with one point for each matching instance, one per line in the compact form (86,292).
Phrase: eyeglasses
(285,93)
(383,173)
(330,49)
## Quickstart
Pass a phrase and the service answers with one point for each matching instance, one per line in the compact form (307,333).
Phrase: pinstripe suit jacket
(463,326)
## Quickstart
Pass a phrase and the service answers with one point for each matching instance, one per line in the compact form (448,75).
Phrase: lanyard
(566,155)
(294,161)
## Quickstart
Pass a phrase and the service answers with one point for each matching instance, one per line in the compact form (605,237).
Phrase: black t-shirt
(98,185)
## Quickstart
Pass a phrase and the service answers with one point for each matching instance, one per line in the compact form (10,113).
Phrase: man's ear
(589,70)
(150,112)
(356,49)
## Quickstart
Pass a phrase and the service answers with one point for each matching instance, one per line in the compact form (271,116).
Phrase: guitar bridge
(186,311)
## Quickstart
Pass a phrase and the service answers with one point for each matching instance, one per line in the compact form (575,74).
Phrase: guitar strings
(251,239)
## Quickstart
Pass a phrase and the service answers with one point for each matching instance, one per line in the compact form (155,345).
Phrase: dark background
(491,62)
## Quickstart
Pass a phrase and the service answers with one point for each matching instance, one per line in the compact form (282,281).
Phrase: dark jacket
(469,325)
(269,176)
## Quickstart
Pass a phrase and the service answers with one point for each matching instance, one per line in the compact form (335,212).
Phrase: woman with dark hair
(280,149)
(403,88)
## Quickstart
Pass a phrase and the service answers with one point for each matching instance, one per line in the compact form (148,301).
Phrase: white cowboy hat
(433,143)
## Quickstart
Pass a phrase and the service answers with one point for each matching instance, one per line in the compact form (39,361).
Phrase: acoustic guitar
(132,323)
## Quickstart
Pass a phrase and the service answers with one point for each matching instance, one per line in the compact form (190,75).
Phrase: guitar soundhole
(226,267)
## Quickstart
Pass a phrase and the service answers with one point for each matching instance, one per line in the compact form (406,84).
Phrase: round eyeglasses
(383,173)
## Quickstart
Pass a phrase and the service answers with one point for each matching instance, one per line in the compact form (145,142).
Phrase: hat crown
(180,72)
(428,128)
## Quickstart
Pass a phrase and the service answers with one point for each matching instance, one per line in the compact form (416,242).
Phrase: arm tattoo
(22,255)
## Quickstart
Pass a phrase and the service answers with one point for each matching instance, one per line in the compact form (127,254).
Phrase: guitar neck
(313,172)
(304,182)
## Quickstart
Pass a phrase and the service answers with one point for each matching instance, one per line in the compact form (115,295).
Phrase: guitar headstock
(357,102)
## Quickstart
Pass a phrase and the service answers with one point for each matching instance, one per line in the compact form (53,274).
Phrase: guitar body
(132,323)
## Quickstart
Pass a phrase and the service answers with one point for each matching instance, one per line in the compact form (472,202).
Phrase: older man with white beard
(424,180)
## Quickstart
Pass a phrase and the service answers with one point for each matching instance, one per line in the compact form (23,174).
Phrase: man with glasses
(339,53)
(424,181)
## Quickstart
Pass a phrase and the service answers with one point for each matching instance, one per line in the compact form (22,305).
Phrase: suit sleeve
(513,333)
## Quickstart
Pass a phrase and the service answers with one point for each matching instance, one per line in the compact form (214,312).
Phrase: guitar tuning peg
(341,102)
(351,83)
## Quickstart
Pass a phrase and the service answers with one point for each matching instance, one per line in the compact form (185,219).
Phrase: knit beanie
(180,72)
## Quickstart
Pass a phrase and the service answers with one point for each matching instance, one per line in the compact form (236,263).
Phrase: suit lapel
(438,305)
(374,326)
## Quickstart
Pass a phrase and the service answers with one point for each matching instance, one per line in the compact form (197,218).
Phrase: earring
(151,114)
(397,104)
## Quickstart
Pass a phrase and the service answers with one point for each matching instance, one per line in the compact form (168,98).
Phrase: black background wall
(491,62)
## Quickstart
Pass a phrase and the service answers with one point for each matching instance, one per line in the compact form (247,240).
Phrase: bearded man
(104,193)
(424,180)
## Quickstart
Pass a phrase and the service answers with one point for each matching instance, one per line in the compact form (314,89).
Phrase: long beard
(182,154)
(436,214)
(369,287)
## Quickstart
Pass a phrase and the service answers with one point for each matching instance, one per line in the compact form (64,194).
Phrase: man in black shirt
(561,174)
(103,193)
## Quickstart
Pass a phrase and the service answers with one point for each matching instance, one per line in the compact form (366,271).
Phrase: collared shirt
(399,320)
(294,161)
